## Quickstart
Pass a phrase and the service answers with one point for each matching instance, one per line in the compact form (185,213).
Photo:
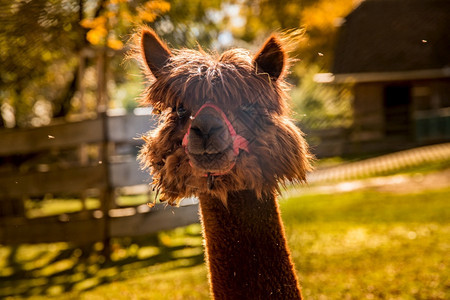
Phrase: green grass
(353,245)
(371,245)
(50,207)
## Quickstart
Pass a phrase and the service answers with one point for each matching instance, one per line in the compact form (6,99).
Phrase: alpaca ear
(271,57)
(155,52)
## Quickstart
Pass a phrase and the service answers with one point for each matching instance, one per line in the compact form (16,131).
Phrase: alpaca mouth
(219,163)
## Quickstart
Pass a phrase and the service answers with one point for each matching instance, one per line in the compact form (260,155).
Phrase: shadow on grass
(54,269)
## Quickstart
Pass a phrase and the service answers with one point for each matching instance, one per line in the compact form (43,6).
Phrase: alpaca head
(224,123)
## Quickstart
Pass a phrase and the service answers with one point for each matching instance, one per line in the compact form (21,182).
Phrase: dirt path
(382,164)
(343,178)
(403,183)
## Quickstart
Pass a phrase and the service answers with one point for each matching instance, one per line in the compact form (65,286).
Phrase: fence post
(108,194)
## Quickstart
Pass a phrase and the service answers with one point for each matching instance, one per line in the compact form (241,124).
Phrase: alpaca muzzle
(238,141)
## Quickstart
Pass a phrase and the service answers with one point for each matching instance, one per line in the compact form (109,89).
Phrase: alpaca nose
(209,132)
(206,126)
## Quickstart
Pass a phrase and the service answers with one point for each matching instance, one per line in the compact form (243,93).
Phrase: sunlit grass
(354,245)
(50,207)
(368,206)
(371,245)
(57,206)
(132,200)
(378,261)
(184,283)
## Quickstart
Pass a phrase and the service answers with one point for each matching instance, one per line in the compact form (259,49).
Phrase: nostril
(216,129)
(206,132)
(197,131)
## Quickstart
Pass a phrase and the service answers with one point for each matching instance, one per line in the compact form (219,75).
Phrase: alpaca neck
(246,249)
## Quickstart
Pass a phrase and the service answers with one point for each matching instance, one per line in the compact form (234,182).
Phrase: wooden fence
(77,160)
(427,127)
(327,142)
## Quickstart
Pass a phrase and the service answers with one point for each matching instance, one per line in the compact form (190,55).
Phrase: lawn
(371,245)
(364,244)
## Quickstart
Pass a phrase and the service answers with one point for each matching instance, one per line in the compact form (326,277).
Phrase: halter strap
(239,142)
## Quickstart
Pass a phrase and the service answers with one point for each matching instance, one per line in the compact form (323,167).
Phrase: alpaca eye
(181,111)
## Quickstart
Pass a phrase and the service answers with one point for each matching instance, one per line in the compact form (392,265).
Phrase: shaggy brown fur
(246,249)
(254,100)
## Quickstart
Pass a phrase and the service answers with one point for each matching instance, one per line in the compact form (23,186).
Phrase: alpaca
(225,137)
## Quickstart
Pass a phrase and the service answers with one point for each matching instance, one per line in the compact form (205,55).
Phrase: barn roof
(382,36)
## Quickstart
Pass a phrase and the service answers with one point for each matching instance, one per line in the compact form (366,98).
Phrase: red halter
(239,142)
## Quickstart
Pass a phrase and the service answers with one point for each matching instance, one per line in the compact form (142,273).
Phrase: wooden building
(396,53)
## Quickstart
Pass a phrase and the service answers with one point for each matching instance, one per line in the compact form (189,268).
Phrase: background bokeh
(373,221)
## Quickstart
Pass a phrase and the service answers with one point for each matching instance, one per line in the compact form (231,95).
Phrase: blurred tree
(108,27)
(44,42)
(264,16)
(319,106)
(114,18)
(41,42)
(316,105)
(322,21)
(319,18)
(189,23)
(37,38)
